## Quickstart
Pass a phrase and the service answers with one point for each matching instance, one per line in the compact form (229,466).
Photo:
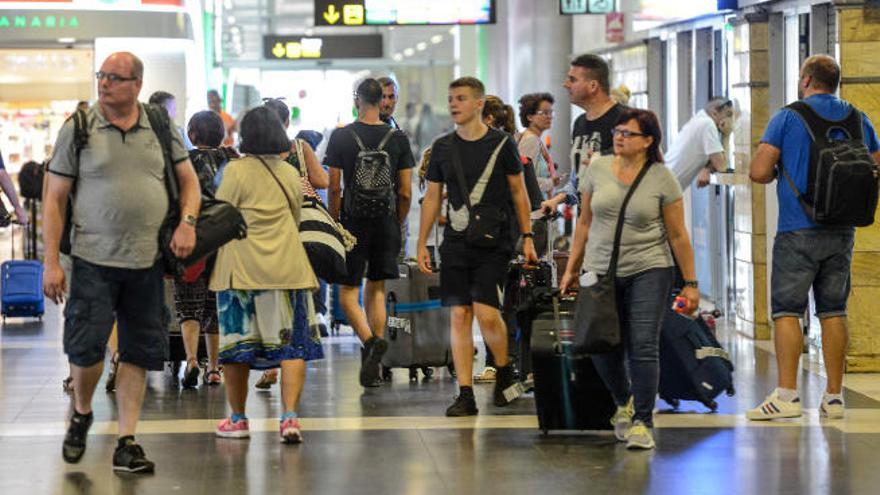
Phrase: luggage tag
(514,391)
(589,279)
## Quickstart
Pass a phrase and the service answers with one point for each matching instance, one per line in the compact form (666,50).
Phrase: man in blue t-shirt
(806,255)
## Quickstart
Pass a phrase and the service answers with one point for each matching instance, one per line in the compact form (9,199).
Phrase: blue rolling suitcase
(23,289)
(693,366)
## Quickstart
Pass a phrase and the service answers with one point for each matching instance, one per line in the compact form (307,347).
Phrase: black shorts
(376,251)
(133,297)
(469,276)
(194,302)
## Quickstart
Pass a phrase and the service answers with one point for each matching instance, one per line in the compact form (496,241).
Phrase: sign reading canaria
(299,47)
(31,21)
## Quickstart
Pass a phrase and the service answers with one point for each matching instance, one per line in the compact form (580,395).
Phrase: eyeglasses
(548,113)
(626,133)
(113,78)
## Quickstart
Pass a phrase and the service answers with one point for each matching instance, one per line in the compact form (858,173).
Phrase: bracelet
(528,235)
(692,283)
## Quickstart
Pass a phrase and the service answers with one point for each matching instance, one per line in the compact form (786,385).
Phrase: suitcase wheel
(673,402)
(428,372)
(731,391)
(387,374)
(712,405)
(413,374)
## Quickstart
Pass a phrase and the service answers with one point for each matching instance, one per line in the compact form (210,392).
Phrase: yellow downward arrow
(331,16)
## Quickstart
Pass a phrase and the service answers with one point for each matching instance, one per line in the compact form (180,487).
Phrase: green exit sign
(574,7)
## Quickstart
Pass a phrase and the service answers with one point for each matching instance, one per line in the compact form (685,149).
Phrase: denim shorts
(133,297)
(811,258)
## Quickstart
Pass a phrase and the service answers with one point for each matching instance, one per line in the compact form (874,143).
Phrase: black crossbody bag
(486,222)
(219,222)
(597,321)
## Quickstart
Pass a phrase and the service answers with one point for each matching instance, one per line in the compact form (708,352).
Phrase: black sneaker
(374,349)
(130,458)
(507,389)
(190,377)
(75,441)
(464,404)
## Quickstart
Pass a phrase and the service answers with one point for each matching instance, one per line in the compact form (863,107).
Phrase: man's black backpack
(371,191)
(842,179)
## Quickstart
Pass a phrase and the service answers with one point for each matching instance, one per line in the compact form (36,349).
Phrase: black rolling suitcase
(569,394)
(418,326)
(693,365)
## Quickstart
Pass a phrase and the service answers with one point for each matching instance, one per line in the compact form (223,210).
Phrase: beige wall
(859,46)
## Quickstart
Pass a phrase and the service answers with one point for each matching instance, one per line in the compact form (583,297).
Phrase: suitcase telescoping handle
(557,319)
(548,254)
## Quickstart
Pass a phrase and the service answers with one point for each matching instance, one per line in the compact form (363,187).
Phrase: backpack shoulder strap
(816,126)
(386,138)
(357,139)
(854,122)
(80,131)
(161,124)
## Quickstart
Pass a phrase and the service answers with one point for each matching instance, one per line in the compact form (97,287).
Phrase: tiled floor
(395,440)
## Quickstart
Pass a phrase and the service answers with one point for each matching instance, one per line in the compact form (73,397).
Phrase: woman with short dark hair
(264,282)
(536,116)
(653,223)
(195,305)
(314,176)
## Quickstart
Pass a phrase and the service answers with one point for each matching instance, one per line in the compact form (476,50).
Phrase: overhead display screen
(403,12)
(296,47)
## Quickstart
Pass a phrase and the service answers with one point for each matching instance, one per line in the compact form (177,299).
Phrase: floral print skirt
(264,327)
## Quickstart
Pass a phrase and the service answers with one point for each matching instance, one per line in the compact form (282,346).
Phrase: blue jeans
(642,300)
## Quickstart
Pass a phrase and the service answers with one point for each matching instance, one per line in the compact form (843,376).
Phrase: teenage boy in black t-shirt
(472,278)
(378,238)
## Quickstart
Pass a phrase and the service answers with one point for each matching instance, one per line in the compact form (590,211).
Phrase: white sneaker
(639,437)
(831,409)
(622,420)
(775,408)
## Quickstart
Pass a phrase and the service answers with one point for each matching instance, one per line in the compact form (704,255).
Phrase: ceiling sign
(573,7)
(403,12)
(296,47)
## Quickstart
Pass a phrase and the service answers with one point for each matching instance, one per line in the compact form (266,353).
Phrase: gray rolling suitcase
(418,325)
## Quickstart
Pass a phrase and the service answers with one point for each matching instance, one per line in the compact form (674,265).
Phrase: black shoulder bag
(219,222)
(486,221)
(597,321)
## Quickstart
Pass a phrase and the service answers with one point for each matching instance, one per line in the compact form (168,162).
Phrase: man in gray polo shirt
(119,204)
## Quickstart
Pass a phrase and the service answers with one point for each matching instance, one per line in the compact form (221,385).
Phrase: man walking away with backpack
(482,172)
(376,164)
(119,204)
(814,249)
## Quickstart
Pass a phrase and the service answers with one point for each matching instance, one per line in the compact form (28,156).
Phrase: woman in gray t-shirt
(653,226)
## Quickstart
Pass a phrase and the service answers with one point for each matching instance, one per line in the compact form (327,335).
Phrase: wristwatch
(528,235)
(189,220)
(692,283)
